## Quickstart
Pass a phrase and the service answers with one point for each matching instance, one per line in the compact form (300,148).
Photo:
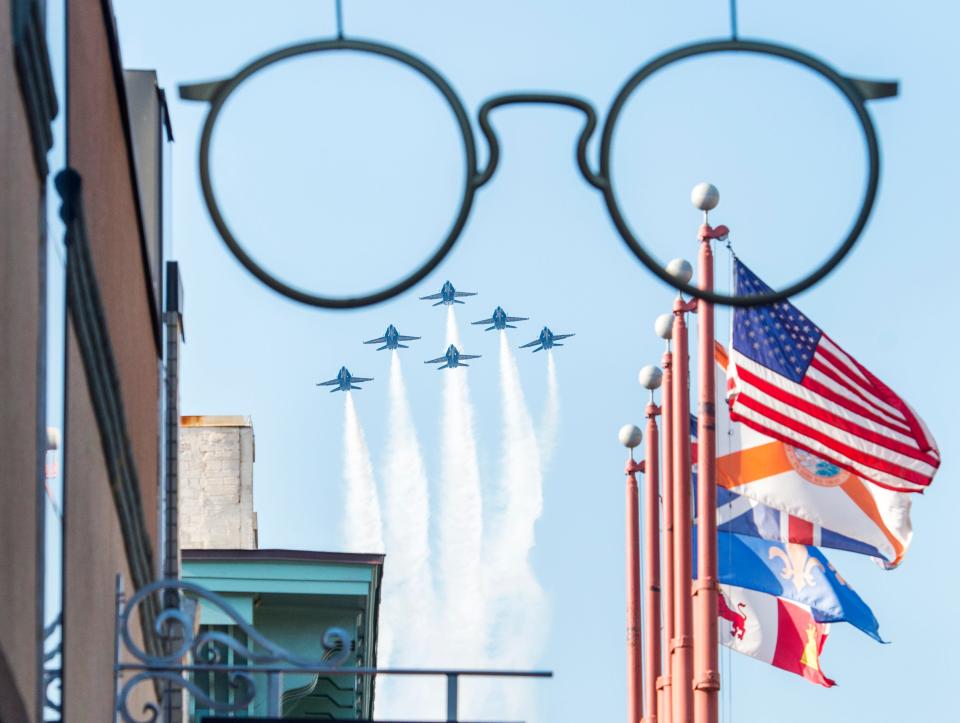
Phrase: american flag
(794,383)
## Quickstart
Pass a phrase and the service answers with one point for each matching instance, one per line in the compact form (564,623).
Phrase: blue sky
(341,173)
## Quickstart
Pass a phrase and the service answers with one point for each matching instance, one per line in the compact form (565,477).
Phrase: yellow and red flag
(777,631)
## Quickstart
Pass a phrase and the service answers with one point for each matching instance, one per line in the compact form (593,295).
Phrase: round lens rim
(845,87)
(230,85)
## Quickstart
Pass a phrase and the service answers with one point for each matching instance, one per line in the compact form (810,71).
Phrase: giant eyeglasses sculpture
(856,92)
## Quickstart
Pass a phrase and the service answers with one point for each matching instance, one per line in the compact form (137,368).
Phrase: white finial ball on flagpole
(630,436)
(705,196)
(681,270)
(663,326)
(650,377)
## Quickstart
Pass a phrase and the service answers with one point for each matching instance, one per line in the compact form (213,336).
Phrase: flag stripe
(748,372)
(919,429)
(850,426)
(851,452)
(796,651)
(859,373)
(882,394)
(828,388)
(814,443)
(844,364)
(857,491)
(751,464)
(799,531)
(823,365)
(802,390)
(848,420)
(836,440)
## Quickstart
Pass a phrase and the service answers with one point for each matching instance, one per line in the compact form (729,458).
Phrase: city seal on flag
(814,469)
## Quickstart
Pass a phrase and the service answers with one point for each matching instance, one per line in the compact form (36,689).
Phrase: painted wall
(94,555)
(94,546)
(299,627)
(97,149)
(21,289)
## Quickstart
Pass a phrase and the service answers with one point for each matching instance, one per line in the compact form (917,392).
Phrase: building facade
(290,596)
(109,179)
(293,597)
(27,108)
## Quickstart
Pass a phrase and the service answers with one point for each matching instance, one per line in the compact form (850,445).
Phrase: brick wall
(216,484)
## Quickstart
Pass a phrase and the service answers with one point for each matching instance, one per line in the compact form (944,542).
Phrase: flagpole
(664,329)
(705,640)
(630,437)
(650,378)
(682,642)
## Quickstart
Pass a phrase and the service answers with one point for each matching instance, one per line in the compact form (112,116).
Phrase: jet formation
(546,340)
(500,320)
(391,339)
(344,381)
(453,357)
(448,295)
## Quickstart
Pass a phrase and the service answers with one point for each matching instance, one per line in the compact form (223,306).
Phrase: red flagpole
(665,330)
(651,518)
(631,436)
(682,643)
(706,656)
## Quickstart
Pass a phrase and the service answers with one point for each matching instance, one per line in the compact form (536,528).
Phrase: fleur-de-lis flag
(795,572)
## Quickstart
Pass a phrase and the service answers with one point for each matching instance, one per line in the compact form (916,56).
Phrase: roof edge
(281,555)
(215,420)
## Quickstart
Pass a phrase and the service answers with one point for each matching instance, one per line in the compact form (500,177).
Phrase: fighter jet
(344,381)
(547,340)
(452,358)
(500,320)
(391,339)
(448,295)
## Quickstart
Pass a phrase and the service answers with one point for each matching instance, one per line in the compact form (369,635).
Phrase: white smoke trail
(519,623)
(453,329)
(550,423)
(362,530)
(460,522)
(408,608)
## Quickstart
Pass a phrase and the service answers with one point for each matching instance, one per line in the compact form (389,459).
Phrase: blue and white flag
(796,572)
(746,516)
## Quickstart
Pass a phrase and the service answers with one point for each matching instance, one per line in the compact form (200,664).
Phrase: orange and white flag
(807,499)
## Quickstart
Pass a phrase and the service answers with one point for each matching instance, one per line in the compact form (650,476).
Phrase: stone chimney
(216,483)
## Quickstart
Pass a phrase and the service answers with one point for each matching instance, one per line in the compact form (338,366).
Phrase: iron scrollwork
(206,651)
(53,670)
(856,92)
(242,682)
